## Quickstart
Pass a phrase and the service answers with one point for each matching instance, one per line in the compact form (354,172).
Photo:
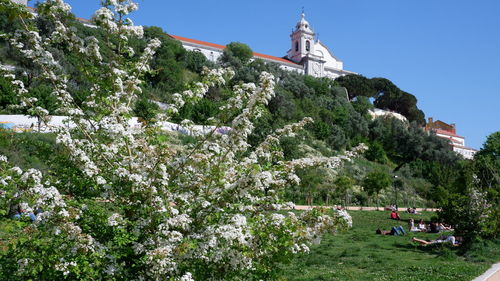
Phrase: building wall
(22,2)
(466,152)
(212,54)
(331,61)
(377,112)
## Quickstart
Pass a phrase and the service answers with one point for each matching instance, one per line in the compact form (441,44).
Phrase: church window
(308,45)
(296,46)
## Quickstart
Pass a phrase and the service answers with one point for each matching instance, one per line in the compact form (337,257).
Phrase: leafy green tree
(337,138)
(487,163)
(320,86)
(167,63)
(237,54)
(7,95)
(294,83)
(375,182)
(472,215)
(343,184)
(362,104)
(146,109)
(195,61)
(357,85)
(376,153)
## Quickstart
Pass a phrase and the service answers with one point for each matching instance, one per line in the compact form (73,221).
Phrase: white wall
(467,153)
(24,123)
(377,112)
(211,54)
(22,2)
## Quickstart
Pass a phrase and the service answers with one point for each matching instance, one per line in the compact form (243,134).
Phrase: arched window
(308,46)
(296,46)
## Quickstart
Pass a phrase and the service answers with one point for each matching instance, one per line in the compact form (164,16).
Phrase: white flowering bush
(210,211)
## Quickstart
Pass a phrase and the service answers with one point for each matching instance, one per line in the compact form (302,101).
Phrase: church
(306,55)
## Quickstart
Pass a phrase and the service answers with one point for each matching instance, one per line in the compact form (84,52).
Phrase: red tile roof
(217,46)
(448,133)
(221,47)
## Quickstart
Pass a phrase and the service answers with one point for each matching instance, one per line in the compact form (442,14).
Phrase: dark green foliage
(386,94)
(487,163)
(200,112)
(472,200)
(7,95)
(376,153)
(343,185)
(376,181)
(167,63)
(195,61)
(362,104)
(145,109)
(357,85)
(237,54)
(472,216)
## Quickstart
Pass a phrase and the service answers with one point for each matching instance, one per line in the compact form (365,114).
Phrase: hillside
(98,198)
(401,150)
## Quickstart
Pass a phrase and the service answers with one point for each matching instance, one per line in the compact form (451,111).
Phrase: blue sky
(446,52)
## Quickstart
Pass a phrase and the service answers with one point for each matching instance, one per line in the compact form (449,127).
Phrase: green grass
(360,254)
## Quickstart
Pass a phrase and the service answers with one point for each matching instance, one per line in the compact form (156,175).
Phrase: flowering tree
(209,211)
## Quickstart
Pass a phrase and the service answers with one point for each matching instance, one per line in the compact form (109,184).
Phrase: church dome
(303,24)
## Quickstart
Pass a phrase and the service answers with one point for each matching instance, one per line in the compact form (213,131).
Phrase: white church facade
(306,55)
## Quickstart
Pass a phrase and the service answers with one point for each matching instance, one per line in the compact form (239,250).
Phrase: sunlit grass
(360,254)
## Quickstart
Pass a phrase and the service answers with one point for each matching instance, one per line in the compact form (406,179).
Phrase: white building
(448,132)
(306,56)
(377,112)
(22,2)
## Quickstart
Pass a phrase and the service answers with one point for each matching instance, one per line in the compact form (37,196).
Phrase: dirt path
(357,208)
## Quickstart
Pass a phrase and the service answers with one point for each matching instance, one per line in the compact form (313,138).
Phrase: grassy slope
(360,254)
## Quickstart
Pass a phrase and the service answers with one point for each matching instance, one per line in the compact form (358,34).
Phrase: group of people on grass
(19,211)
(432,227)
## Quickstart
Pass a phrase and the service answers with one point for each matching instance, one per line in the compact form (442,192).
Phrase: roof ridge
(218,46)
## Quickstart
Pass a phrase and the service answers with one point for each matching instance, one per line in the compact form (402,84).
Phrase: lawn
(360,254)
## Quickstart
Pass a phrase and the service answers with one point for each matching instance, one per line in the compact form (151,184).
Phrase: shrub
(203,212)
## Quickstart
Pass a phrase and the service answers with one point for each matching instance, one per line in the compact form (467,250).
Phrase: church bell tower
(302,40)
(302,51)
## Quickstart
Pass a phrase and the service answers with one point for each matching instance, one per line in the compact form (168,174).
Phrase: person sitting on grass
(434,227)
(422,226)
(442,227)
(412,227)
(455,241)
(395,215)
(20,211)
(395,230)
